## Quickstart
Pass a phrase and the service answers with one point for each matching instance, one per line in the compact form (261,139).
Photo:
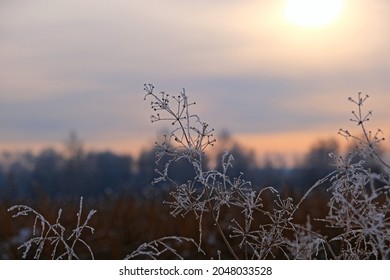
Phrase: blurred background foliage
(131,210)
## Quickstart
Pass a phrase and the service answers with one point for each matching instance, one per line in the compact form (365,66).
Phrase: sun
(312,13)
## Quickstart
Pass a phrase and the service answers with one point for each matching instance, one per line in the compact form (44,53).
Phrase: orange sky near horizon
(284,148)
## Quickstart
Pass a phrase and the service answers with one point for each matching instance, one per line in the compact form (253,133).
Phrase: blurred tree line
(75,172)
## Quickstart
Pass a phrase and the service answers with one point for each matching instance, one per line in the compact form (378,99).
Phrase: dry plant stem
(320,236)
(317,184)
(195,148)
(43,223)
(219,227)
(153,251)
(369,141)
(54,233)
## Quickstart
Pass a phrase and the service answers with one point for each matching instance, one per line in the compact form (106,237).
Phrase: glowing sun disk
(312,13)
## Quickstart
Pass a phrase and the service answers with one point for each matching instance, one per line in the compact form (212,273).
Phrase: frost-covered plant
(358,207)
(54,236)
(368,144)
(360,203)
(157,248)
(259,232)
(307,243)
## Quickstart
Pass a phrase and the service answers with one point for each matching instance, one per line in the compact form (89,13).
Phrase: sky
(275,84)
